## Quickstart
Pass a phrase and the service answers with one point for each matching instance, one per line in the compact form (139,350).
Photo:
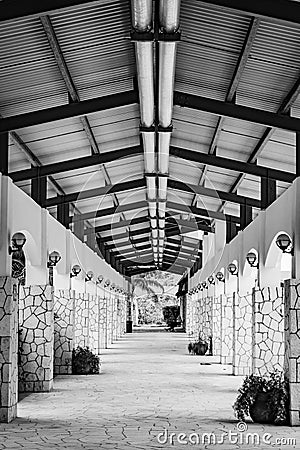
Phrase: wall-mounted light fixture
(220,276)
(100,278)
(53,258)
(89,276)
(252,259)
(232,269)
(107,283)
(284,242)
(211,279)
(17,243)
(113,287)
(76,269)
(204,284)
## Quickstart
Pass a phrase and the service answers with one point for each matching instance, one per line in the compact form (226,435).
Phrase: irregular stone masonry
(205,316)
(94,324)
(109,321)
(36,338)
(292,346)
(227,330)
(216,326)
(81,321)
(102,323)
(242,351)
(268,330)
(63,331)
(8,348)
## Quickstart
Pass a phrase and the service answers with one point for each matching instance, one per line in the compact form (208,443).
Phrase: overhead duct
(142,13)
(169,11)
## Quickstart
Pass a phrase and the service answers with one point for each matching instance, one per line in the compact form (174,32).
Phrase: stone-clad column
(268,330)
(109,325)
(63,331)
(216,324)
(292,346)
(81,320)
(8,349)
(242,348)
(114,318)
(102,323)
(227,329)
(94,324)
(36,344)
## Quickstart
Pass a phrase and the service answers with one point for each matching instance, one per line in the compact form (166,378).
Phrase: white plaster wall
(282,216)
(18,212)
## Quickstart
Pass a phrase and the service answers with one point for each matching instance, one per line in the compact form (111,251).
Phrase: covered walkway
(148,383)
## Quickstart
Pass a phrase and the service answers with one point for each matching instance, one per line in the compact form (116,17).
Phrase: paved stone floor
(148,384)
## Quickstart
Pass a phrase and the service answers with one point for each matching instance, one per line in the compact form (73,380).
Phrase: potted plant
(84,362)
(199,347)
(263,398)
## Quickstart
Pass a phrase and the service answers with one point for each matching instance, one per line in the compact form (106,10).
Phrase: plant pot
(86,370)
(260,411)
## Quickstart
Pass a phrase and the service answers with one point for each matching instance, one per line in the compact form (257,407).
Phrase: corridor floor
(149,387)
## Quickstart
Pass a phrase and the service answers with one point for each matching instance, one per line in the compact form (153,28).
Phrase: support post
(231,230)
(8,349)
(39,190)
(245,215)
(268,191)
(63,214)
(4,153)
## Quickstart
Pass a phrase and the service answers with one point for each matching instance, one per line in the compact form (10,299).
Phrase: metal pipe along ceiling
(142,14)
(169,23)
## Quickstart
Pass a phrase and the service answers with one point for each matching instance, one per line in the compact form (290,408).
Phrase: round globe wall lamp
(204,285)
(17,243)
(89,276)
(211,279)
(220,276)
(76,269)
(232,269)
(53,259)
(252,259)
(100,278)
(284,243)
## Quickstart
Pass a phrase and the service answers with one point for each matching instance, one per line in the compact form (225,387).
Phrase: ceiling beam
(110,211)
(281,10)
(213,193)
(231,92)
(97,192)
(14,9)
(229,109)
(201,212)
(232,164)
(74,164)
(268,133)
(115,225)
(278,11)
(69,110)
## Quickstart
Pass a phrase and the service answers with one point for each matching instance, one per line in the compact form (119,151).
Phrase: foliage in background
(151,311)
(171,313)
(84,361)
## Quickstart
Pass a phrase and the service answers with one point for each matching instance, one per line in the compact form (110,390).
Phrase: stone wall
(268,330)
(36,338)
(63,331)
(81,322)
(227,329)
(94,324)
(292,346)
(102,323)
(109,320)
(8,349)
(242,344)
(205,305)
(216,326)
